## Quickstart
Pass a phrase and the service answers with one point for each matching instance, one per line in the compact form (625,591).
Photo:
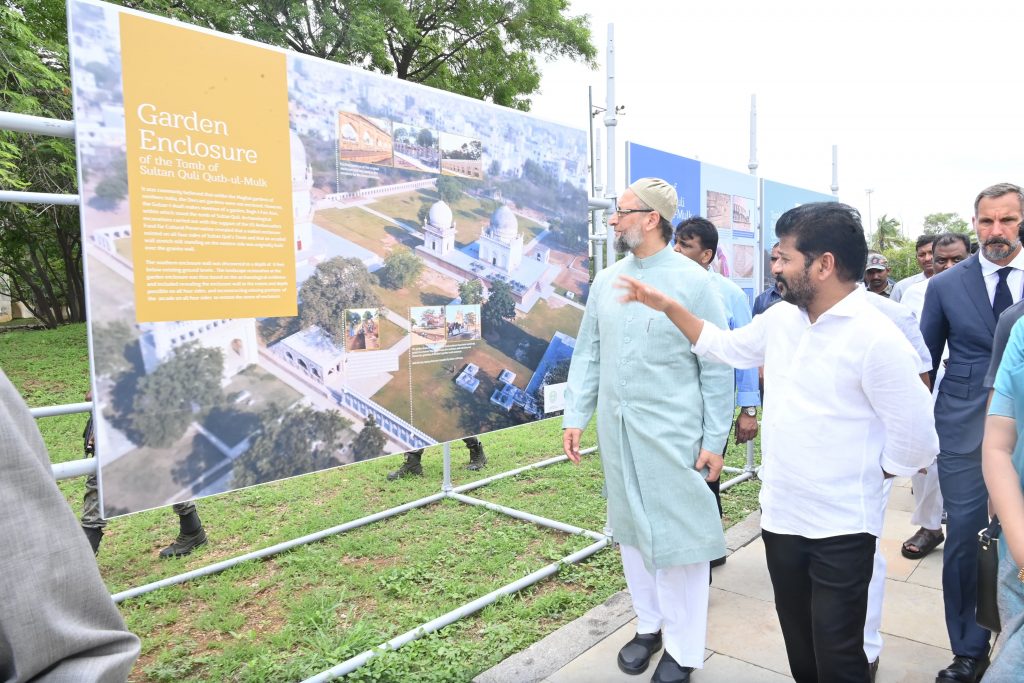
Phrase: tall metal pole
(599,226)
(610,121)
(871,228)
(752,166)
(835,170)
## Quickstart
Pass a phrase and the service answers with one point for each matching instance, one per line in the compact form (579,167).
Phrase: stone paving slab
(744,640)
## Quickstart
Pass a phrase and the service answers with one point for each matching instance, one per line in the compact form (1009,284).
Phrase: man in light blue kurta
(662,416)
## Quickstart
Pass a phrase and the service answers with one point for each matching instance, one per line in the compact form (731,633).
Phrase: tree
(450,189)
(369,443)
(425,138)
(40,246)
(902,261)
(486,49)
(887,234)
(499,307)
(300,441)
(471,292)
(109,343)
(401,268)
(938,223)
(168,399)
(337,284)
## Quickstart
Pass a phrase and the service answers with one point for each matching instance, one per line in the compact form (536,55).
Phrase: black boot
(95,535)
(477,459)
(411,466)
(190,536)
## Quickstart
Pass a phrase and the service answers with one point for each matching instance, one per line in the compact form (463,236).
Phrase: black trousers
(821,596)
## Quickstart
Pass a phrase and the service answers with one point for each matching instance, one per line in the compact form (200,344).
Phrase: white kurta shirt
(843,402)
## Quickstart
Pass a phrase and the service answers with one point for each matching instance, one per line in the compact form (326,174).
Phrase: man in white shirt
(948,250)
(846,409)
(923,251)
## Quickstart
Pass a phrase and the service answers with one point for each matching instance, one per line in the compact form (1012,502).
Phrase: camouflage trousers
(92,517)
(470,441)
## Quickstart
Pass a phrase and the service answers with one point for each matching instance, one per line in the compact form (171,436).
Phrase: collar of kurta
(654,259)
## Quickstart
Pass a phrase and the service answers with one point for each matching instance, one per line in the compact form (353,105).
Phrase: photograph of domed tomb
(364,139)
(462,322)
(428,325)
(190,408)
(461,156)
(363,329)
(416,148)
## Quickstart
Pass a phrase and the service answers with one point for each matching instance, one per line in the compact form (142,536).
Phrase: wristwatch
(751,411)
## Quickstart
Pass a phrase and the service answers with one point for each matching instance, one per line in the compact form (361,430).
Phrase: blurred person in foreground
(57,621)
(1002,454)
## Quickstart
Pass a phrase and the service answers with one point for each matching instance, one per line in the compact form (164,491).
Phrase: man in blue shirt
(697,239)
(770,296)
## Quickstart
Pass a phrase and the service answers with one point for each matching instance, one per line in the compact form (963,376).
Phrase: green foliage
(40,248)
(484,49)
(168,398)
(369,443)
(499,307)
(902,261)
(938,223)
(298,441)
(336,285)
(887,235)
(450,189)
(401,268)
(471,291)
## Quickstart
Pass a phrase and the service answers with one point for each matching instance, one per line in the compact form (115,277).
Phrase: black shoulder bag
(988,576)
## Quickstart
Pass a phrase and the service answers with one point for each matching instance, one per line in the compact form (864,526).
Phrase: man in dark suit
(961,307)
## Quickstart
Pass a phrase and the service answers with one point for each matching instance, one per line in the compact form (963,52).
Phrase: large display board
(293,264)
(777,199)
(726,198)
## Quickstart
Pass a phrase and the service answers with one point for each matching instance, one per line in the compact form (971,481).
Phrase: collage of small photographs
(733,212)
(432,325)
(370,140)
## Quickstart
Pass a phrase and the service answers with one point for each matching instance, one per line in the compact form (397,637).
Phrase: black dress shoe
(636,654)
(669,671)
(963,670)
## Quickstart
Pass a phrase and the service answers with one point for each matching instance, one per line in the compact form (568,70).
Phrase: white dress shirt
(903,318)
(990,272)
(913,298)
(843,402)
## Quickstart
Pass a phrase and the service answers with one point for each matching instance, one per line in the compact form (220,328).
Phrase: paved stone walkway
(744,642)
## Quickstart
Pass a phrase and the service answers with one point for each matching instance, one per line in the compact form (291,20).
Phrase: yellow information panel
(206,121)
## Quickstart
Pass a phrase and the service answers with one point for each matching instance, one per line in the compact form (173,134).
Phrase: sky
(923,100)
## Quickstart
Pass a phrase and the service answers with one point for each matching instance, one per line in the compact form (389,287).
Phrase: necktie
(1003,299)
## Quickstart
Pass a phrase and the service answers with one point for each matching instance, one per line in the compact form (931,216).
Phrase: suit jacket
(57,621)
(958,311)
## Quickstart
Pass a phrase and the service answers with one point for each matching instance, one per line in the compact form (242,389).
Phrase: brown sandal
(925,540)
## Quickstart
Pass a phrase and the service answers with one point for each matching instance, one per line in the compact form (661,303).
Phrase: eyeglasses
(623,212)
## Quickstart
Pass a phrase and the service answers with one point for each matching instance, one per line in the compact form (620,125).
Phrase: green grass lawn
(296,614)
